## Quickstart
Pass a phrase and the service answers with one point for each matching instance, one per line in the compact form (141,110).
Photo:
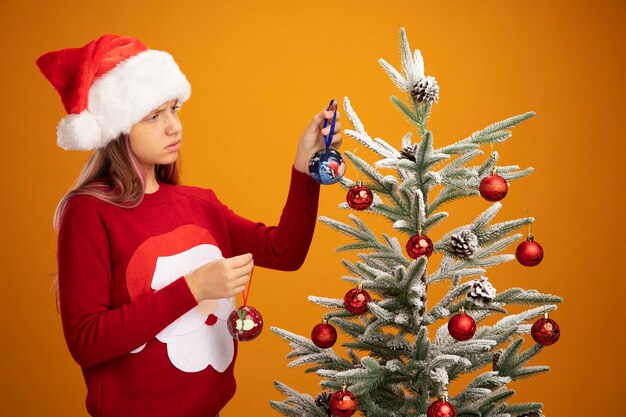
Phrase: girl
(148,268)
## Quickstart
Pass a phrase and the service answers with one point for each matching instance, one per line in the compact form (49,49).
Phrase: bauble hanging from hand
(545,331)
(324,335)
(493,187)
(245,323)
(343,403)
(326,166)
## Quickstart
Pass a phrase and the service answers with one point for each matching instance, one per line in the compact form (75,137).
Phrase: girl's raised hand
(312,138)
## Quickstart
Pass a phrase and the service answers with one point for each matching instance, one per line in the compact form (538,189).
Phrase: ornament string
(530,225)
(328,141)
(419,225)
(493,170)
(247,292)
(356,171)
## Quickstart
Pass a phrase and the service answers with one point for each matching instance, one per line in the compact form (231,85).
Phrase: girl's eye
(154,116)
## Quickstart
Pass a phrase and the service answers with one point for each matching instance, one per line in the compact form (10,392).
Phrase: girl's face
(152,137)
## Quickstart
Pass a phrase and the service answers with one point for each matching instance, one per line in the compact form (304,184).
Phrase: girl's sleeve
(285,246)
(94,331)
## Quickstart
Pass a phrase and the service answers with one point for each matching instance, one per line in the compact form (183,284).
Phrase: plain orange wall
(259,71)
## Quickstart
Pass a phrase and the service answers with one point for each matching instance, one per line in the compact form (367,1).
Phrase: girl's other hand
(222,278)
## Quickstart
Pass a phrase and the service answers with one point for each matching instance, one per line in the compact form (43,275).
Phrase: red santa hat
(107,86)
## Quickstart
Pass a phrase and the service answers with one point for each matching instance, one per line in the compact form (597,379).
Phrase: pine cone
(482,292)
(322,402)
(496,358)
(464,243)
(426,90)
(533,414)
(408,152)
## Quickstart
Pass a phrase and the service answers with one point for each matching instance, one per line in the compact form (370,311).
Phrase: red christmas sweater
(146,347)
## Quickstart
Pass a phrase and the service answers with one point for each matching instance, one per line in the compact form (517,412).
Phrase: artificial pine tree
(392,365)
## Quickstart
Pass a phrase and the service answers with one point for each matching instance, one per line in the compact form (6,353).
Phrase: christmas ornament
(482,291)
(326,166)
(426,90)
(462,326)
(324,335)
(322,401)
(343,403)
(245,323)
(419,245)
(493,187)
(496,358)
(529,252)
(408,152)
(359,197)
(545,331)
(356,300)
(464,243)
(441,408)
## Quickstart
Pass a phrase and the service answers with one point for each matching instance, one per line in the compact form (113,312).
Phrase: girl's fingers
(240,281)
(328,114)
(336,144)
(326,130)
(239,290)
(243,270)
(239,260)
(336,138)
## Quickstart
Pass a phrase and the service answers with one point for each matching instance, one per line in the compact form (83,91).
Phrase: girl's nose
(173,124)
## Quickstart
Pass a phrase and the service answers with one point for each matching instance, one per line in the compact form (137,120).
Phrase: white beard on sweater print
(200,337)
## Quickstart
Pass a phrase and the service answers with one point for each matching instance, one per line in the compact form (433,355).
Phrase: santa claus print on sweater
(198,338)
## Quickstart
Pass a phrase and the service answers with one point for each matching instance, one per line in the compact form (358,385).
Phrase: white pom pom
(79,132)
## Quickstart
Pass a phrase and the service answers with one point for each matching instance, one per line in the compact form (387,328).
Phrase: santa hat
(107,86)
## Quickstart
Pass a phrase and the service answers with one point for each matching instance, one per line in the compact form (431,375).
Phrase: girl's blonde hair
(112,174)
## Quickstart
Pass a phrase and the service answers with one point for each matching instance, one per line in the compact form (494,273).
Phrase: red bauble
(545,331)
(419,245)
(343,403)
(356,300)
(529,252)
(493,187)
(245,323)
(462,326)
(359,197)
(324,335)
(441,408)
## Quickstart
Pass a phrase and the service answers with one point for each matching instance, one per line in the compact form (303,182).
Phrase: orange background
(259,71)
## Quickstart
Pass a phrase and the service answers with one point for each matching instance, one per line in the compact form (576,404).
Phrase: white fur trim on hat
(79,132)
(121,97)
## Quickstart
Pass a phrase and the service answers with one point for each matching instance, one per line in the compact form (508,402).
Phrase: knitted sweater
(146,347)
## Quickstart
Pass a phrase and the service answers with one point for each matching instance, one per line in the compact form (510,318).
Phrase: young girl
(148,269)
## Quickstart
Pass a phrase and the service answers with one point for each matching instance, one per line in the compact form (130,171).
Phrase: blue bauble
(326,166)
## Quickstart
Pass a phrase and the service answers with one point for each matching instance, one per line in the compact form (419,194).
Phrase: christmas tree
(403,355)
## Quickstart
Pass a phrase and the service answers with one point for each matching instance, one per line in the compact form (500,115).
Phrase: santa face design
(198,338)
